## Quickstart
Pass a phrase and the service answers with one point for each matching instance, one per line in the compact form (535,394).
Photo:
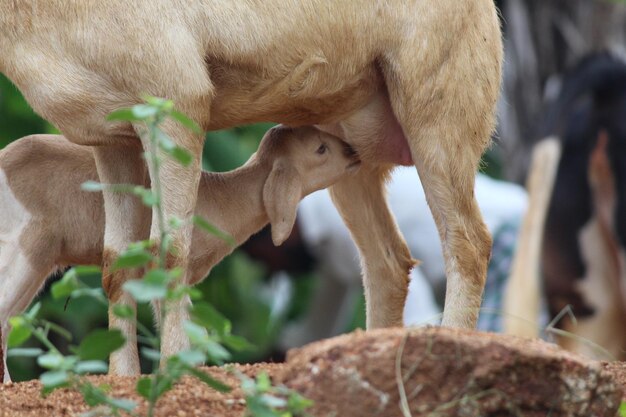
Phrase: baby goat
(48,223)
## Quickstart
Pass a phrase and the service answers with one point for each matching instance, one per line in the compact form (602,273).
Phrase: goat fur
(48,222)
(402,81)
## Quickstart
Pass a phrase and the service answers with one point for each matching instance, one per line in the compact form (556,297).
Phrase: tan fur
(308,62)
(65,226)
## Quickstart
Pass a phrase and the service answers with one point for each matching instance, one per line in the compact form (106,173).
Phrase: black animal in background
(584,247)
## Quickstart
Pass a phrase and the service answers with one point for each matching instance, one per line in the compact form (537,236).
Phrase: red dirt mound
(446,372)
(440,372)
(188,398)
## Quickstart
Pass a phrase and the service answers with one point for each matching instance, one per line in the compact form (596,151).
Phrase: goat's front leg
(179,188)
(124,217)
(385,257)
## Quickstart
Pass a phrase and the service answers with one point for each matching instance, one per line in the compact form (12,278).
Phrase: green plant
(234,286)
(265,400)
(209,332)
(66,370)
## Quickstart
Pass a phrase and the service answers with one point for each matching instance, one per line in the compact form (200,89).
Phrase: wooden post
(523,290)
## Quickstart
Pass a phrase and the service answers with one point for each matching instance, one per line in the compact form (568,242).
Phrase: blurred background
(310,287)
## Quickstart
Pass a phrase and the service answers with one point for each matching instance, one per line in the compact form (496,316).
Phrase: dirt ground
(465,373)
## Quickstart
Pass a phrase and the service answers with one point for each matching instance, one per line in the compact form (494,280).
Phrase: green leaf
(91,367)
(197,334)
(273,401)
(162,104)
(167,242)
(119,188)
(142,244)
(206,315)
(85,270)
(24,352)
(216,352)
(191,357)
(99,344)
(181,155)
(194,293)
(169,147)
(144,292)
(237,343)
(176,222)
(209,228)
(179,291)
(92,186)
(208,380)
(59,330)
(147,196)
(186,121)
(165,382)
(122,404)
(66,285)
(34,310)
(95,396)
(123,311)
(175,273)
(50,360)
(20,331)
(125,115)
(158,277)
(144,111)
(199,338)
(96,293)
(132,259)
(54,379)
(297,404)
(247,384)
(144,387)
(70,285)
(258,408)
(152,354)
(263,383)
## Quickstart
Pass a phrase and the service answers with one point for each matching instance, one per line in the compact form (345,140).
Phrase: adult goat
(403,82)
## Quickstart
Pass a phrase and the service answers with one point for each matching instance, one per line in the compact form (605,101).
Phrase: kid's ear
(281,194)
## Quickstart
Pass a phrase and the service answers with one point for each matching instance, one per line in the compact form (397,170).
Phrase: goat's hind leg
(20,280)
(448,182)
(446,108)
(385,257)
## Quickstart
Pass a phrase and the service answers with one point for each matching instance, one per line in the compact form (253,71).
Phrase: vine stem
(156,190)
(155,162)
(42,337)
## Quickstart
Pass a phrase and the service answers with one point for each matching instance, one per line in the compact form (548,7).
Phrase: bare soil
(440,372)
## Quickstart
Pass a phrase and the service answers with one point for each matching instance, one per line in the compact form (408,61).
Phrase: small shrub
(209,332)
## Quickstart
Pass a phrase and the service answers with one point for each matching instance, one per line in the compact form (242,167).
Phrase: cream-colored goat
(402,81)
(47,222)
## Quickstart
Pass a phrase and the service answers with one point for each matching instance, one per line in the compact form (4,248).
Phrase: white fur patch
(13,219)
(13,215)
